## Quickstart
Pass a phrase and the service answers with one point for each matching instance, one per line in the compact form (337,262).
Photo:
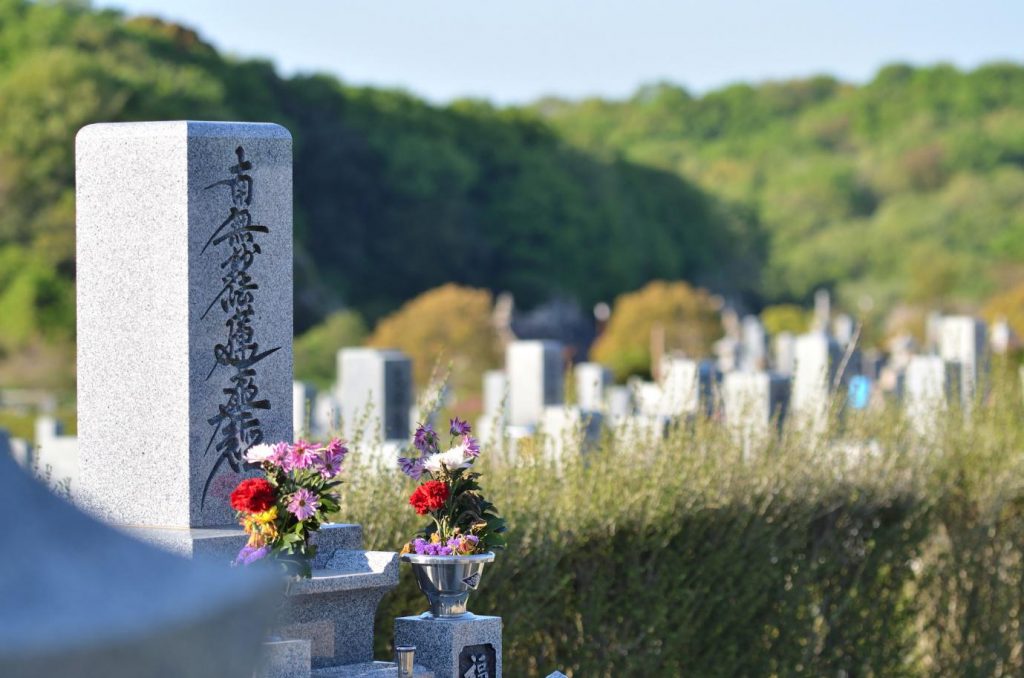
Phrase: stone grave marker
(592,380)
(817,358)
(184,261)
(376,393)
(534,371)
(754,355)
(962,343)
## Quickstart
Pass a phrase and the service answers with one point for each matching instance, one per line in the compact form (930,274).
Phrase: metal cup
(405,656)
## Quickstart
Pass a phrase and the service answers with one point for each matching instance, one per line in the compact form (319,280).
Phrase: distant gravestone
(620,402)
(962,344)
(925,387)
(376,393)
(822,310)
(817,359)
(56,455)
(184,262)
(534,371)
(784,353)
(592,380)
(687,387)
(755,345)
(303,399)
(728,353)
(843,327)
(495,394)
(752,401)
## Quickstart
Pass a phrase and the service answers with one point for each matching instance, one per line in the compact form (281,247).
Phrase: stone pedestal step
(221,545)
(367,670)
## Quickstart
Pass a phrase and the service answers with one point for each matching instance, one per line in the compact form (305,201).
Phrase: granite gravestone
(303,400)
(754,354)
(817,357)
(687,387)
(962,344)
(534,371)
(184,261)
(784,353)
(925,387)
(376,393)
(753,401)
(592,380)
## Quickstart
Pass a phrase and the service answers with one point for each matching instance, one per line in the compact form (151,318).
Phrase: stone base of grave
(369,670)
(291,659)
(453,648)
(222,545)
(332,613)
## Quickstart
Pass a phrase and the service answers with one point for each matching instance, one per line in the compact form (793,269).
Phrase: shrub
(786,318)
(447,324)
(891,556)
(688,316)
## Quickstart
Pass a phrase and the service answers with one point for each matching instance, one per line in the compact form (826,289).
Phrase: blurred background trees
(907,190)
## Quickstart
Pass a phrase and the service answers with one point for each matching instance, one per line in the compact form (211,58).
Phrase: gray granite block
(184,262)
(222,545)
(284,659)
(78,598)
(335,609)
(368,670)
(446,645)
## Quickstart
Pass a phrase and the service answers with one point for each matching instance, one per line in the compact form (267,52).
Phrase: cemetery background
(856,542)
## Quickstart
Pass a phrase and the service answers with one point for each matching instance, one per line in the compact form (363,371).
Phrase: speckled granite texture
(160,222)
(284,659)
(439,642)
(336,608)
(222,545)
(368,670)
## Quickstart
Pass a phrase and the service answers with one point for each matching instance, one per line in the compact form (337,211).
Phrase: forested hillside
(908,189)
(393,196)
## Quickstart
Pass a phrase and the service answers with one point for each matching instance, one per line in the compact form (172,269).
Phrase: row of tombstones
(374,397)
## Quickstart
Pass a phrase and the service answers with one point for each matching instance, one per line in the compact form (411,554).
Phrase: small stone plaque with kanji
(478,661)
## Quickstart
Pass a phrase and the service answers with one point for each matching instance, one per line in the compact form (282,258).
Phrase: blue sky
(513,52)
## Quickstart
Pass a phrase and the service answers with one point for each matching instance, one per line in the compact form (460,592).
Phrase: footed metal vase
(446,581)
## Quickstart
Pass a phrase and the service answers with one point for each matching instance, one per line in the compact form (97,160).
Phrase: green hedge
(686,556)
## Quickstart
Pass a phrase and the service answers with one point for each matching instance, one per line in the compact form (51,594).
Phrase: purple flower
(425,439)
(444,551)
(471,445)
(473,539)
(419,545)
(329,460)
(280,456)
(249,555)
(303,503)
(302,454)
(411,467)
(460,427)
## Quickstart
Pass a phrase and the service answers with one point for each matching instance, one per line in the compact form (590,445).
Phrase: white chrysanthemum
(454,458)
(257,454)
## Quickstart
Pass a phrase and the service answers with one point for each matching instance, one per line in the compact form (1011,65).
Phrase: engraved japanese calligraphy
(236,424)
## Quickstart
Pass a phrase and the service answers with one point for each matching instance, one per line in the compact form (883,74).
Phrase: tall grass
(869,550)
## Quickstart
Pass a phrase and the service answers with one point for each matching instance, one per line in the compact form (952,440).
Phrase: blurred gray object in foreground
(78,598)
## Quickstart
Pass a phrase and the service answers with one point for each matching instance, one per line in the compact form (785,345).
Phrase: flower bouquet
(449,554)
(280,511)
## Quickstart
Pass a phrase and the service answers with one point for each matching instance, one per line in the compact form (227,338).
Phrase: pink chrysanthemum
(303,504)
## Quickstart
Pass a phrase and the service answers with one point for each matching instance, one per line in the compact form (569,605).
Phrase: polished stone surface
(159,375)
(440,642)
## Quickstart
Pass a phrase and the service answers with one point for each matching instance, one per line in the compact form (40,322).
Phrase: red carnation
(254,495)
(430,496)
